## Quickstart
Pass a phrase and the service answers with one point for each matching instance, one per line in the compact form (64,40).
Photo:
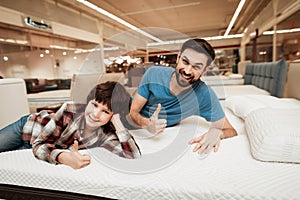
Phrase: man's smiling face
(190,67)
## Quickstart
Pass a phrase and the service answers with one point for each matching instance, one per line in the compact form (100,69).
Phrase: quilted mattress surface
(230,173)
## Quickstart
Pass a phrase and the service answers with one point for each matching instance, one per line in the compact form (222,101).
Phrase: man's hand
(74,159)
(156,125)
(206,142)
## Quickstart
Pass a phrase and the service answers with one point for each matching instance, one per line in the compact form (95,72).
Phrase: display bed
(232,79)
(223,92)
(260,78)
(262,162)
(47,98)
(13,192)
(230,173)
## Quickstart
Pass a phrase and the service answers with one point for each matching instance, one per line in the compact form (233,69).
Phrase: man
(166,96)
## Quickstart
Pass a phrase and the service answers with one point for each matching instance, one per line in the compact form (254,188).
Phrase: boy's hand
(116,121)
(73,158)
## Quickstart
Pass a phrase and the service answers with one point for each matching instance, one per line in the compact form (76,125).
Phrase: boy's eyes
(96,105)
(107,112)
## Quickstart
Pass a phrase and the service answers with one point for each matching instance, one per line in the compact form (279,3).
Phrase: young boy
(76,126)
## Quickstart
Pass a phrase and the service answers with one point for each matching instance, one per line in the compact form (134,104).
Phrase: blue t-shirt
(198,100)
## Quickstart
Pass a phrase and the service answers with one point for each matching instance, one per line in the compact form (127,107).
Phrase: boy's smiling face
(97,114)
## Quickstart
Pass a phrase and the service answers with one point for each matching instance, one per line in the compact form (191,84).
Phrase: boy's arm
(129,147)
(73,158)
(46,130)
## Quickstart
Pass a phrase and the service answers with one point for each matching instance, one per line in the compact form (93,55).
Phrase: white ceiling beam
(265,24)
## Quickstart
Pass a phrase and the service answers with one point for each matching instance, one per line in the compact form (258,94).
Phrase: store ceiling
(191,18)
(188,18)
(194,18)
(168,19)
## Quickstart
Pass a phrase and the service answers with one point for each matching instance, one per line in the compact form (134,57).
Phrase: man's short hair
(201,46)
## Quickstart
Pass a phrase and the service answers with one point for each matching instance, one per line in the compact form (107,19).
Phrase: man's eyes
(197,67)
(186,62)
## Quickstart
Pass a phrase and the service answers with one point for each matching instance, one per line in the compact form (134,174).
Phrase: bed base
(14,192)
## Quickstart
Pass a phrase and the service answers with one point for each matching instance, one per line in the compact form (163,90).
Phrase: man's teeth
(186,77)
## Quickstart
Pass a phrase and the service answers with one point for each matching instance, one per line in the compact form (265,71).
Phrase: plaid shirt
(52,133)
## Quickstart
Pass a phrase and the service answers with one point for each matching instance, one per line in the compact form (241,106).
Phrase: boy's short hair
(201,46)
(112,94)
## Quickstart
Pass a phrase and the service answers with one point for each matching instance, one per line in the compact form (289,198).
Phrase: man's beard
(182,81)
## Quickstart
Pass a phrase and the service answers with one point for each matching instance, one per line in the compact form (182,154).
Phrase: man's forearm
(228,130)
(228,133)
(138,120)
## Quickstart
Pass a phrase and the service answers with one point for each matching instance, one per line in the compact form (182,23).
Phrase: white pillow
(242,105)
(235,76)
(274,134)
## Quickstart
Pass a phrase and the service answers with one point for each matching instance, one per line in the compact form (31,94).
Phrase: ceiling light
(236,14)
(162,8)
(13,41)
(282,31)
(262,52)
(119,20)
(183,40)
(224,37)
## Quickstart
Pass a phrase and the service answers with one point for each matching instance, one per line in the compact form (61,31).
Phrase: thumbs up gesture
(80,160)
(73,158)
(156,125)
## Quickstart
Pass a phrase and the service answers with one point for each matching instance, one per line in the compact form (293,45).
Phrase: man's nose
(188,69)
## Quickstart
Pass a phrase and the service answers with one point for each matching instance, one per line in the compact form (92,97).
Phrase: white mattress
(224,91)
(231,173)
(223,80)
(47,98)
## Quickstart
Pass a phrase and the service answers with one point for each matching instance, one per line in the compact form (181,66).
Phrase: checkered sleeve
(122,144)
(45,134)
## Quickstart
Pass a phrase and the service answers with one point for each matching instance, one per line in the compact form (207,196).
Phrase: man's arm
(135,109)
(152,124)
(218,130)
(228,131)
